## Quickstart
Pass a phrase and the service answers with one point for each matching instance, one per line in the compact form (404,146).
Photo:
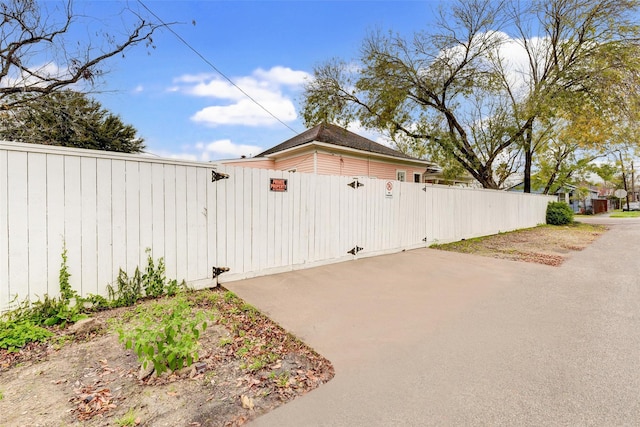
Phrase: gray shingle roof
(333,134)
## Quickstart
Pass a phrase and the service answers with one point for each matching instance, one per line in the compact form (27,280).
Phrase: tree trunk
(624,179)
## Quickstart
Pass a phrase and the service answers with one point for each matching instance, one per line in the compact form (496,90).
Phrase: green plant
(230,297)
(165,334)
(257,364)
(128,291)
(154,277)
(283,379)
(127,420)
(1,395)
(172,287)
(50,311)
(152,283)
(225,341)
(94,302)
(16,334)
(559,213)
(66,292)
(60,341)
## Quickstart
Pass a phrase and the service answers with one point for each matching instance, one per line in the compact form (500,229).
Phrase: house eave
(332,148)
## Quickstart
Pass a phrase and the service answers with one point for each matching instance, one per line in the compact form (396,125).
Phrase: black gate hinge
(216,271)
(425,239)
(217,176)
(355,250)
(355,184)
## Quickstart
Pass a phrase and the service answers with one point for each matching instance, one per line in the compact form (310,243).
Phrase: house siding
(329,163)
(258,164)
(385,170)
(301,163)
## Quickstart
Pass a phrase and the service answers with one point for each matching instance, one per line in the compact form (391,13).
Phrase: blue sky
(183,108)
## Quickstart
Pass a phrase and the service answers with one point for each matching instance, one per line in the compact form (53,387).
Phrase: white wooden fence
(107,208)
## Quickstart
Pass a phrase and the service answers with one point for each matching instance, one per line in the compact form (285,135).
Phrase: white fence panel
(5,285)
(107,208)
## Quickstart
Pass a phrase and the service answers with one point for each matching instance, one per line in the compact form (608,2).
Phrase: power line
(215,68)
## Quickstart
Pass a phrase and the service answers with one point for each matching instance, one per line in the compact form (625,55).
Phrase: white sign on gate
(388,188)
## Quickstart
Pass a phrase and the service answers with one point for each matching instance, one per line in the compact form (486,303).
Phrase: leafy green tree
(457,87)
(69,119)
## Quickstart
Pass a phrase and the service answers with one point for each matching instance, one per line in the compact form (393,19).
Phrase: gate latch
(355,250)
(355,184)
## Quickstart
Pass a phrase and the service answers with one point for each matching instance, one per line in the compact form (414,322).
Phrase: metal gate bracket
(424,188)
(424,240)
(216,271)
(355,250)
(355,184)
(217,176)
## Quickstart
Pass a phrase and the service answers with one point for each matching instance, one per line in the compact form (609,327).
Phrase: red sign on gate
(278,184)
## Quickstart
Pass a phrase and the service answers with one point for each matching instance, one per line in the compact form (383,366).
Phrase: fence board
(145,219)
(89,227)
(18,225)
(118,217)
(72,222)
(5,291)
(158,192)
(192,213)
(181,222)
(55,219)
(37,203)
(201,188)
(106,270)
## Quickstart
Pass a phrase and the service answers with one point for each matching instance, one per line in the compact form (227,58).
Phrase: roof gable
(336,135)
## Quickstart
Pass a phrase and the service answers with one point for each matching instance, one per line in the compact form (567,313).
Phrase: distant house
(327,149)
(568,193)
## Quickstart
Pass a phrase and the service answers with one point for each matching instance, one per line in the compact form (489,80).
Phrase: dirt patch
(549,245)
(247,366)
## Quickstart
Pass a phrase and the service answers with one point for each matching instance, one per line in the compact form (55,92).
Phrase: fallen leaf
(247,402)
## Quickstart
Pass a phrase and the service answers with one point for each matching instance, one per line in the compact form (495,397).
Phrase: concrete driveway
(434,338)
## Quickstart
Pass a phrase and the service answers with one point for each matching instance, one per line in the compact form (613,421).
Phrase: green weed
(16,334)
(127,420)
(165,334)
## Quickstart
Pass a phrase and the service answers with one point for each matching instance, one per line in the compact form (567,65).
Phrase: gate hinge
(217,176)
(216,271)
(355,250)
(425,239)
(355,184)
(424,188)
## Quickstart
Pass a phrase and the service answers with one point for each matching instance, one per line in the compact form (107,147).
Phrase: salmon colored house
(327,149)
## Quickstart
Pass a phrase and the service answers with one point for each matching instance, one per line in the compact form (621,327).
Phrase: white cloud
(177,156)
(273,89)
(380,138)
(246,112)
(211,151)
(282,75)
(138,89)
(22,78)
(224,148)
